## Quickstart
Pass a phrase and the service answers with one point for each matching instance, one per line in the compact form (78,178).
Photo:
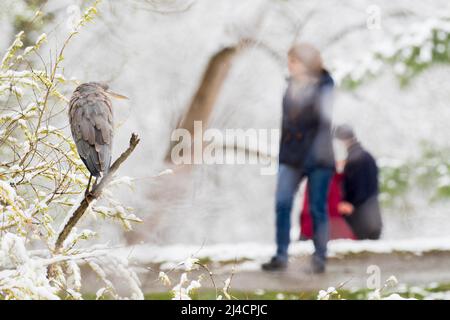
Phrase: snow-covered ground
(420,266)
(148,254)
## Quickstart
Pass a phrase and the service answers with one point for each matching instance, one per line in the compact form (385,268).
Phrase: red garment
(339,229)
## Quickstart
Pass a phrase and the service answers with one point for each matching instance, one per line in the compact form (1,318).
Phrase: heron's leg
(87,188)
(95,182)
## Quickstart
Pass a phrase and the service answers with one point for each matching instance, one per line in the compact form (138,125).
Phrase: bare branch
(94,194)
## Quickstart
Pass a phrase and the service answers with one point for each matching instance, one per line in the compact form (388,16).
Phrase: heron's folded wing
(92,129)
(102,121)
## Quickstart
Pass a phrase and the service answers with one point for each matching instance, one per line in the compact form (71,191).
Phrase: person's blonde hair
(309,56)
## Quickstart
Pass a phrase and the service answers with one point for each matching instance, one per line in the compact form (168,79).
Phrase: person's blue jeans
(289,179)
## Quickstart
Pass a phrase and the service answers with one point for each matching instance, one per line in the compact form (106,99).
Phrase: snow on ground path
(425,270)
(147,253)
(415,262)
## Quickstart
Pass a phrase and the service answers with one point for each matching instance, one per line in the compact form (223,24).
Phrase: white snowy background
(157,59)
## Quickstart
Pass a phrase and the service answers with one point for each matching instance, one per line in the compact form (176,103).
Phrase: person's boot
(317,265)
(275,264)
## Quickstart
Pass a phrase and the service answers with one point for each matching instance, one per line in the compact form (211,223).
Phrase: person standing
(359,206)
(306,150)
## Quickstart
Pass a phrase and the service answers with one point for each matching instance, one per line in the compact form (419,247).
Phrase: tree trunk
(207,93)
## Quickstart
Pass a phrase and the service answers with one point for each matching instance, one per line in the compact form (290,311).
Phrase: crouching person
(360,206)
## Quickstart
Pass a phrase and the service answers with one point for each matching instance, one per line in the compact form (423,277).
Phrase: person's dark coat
(360,176)
(306,140)
(360,188)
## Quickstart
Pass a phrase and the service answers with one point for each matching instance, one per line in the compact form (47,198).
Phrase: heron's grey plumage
(91,122)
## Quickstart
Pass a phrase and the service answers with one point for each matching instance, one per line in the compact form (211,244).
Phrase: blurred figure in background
(339,228)
(359,203)
(306,150)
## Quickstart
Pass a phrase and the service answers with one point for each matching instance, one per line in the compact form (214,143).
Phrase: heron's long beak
(116,95)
